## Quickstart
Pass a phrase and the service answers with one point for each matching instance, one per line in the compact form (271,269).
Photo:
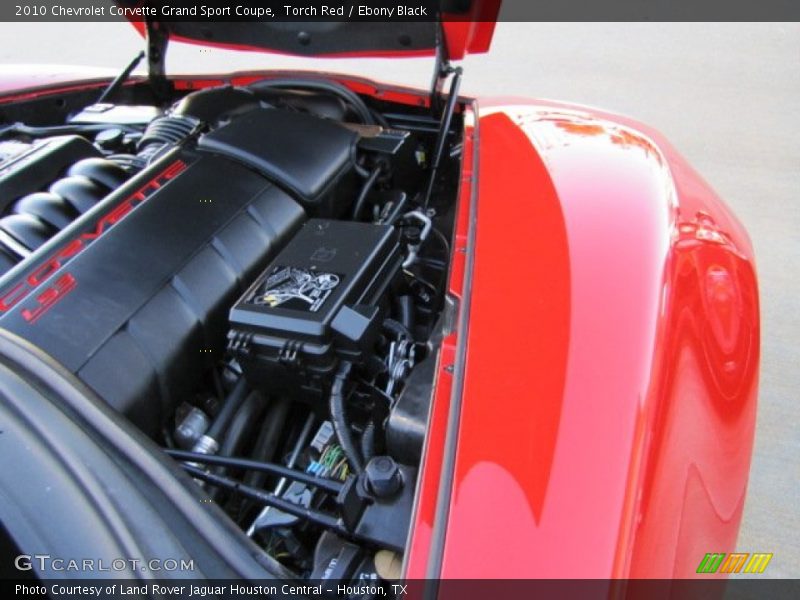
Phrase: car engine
(254,276)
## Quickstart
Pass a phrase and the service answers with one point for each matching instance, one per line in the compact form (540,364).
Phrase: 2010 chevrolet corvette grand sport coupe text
(311,327)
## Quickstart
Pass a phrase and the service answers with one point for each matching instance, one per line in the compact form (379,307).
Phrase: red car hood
(467,27)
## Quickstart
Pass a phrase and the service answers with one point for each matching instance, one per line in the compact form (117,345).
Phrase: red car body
(609,302)
(635,379)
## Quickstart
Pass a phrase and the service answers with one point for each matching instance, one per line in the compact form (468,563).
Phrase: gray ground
(727,95)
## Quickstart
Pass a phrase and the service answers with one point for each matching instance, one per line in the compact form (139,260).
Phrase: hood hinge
(157,41)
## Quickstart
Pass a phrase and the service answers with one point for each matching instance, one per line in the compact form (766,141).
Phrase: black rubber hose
(339,418)
(405,311)
(240,427)
(368,442)
(229,408)
(167,130)
(367,116)
(245,419)
(365,189)
(267,443)
(264,449)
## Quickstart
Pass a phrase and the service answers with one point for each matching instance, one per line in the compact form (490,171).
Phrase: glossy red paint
(472,35)
(612,356)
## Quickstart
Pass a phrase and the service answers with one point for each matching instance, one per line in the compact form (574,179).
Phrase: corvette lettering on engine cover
(66,282)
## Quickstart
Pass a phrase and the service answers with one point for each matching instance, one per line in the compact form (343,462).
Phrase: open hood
(454,27)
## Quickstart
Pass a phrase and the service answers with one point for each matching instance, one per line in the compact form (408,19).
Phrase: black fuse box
(317,302)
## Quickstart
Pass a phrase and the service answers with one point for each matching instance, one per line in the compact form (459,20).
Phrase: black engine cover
(311,158)
(133,296)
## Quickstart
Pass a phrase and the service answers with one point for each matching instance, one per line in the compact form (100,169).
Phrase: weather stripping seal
(438,536)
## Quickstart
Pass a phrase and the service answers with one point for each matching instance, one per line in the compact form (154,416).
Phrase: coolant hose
(245,419)
(339,419)
(267,442)
(240,427)
(229,408)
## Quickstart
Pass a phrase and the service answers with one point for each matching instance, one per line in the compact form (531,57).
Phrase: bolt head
(383,476)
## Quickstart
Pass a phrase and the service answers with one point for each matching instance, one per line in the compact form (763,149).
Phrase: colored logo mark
(736,562)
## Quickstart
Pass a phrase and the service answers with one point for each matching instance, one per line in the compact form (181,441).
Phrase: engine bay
(255,276)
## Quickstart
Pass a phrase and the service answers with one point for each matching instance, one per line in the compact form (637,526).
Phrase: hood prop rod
(157,41)
(441,70)
(120,79)
(444,128)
